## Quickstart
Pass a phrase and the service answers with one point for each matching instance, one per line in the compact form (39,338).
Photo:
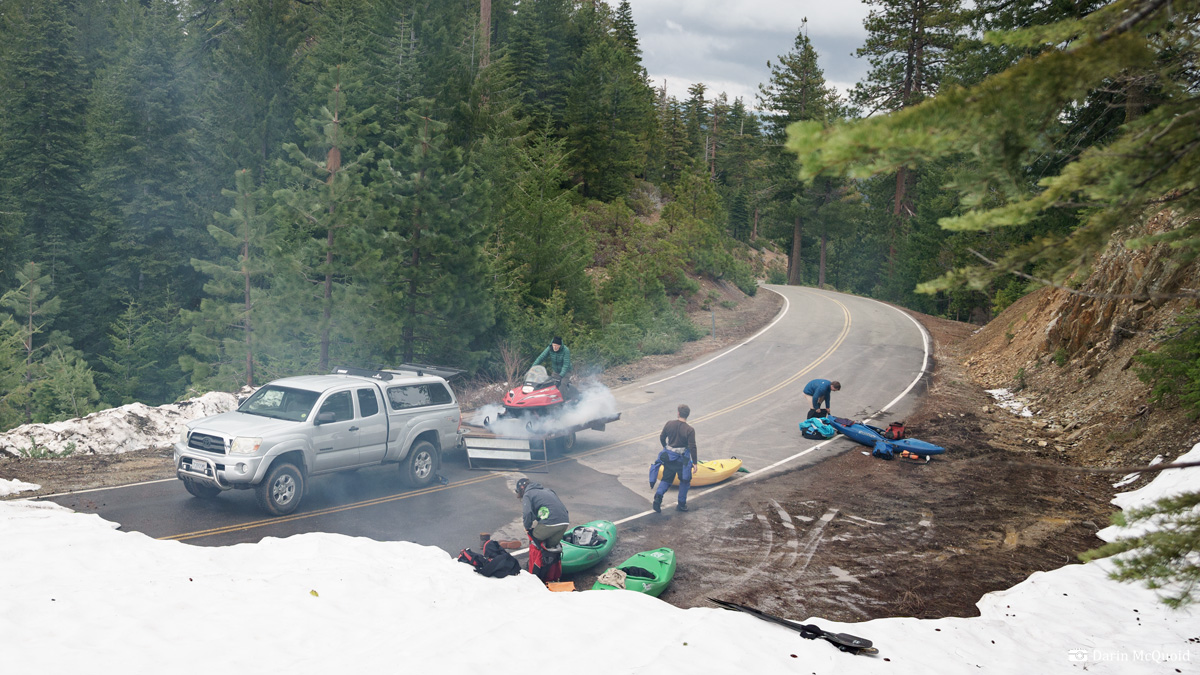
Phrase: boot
(657,505)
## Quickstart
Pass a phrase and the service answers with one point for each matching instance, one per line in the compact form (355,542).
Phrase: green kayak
(647,572)
(587,544)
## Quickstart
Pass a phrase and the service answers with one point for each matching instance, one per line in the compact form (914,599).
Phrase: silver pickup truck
(292,429)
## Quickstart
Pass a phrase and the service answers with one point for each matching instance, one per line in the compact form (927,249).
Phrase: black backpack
(493,562)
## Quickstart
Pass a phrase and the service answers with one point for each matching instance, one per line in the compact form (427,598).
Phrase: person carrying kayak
(677,457)
(820,391)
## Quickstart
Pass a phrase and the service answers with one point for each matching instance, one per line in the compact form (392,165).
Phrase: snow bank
(12,487)
(130,427)
(82,596)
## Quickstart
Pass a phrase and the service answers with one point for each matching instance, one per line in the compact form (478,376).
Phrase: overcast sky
(726,43)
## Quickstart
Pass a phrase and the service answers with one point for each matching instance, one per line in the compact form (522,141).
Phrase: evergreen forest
(206,194)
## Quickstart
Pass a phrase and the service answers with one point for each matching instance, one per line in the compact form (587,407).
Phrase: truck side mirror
(325,418)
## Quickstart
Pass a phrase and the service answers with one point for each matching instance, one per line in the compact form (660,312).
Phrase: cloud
(726,43)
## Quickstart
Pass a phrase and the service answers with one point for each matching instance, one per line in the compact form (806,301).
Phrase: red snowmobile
(538,396)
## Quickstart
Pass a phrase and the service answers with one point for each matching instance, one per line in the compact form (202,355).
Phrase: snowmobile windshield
(281,403)
(537,377)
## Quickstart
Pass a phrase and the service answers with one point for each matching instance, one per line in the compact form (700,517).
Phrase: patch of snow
(131,427)
(1130,477)
(83,596)
(12,487)
(1005,399)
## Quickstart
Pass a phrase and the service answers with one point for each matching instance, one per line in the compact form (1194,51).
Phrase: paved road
(746,401)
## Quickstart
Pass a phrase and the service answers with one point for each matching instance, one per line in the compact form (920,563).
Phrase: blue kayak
(872,437)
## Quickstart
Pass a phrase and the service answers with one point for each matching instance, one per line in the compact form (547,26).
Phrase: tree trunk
(754,234)
(795,265)
(485,33)
(821,271)
(246,322)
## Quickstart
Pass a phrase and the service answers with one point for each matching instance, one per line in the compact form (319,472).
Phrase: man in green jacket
(558,362)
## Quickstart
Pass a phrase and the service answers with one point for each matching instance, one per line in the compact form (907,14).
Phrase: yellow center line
(493,476)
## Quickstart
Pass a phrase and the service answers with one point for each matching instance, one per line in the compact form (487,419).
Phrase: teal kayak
(587,544)
(647,572)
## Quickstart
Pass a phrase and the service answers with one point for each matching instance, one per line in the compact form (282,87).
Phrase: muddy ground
(856,538)
(849,539)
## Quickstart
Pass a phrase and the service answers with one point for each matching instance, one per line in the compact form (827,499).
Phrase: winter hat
(521,485)
(556,341)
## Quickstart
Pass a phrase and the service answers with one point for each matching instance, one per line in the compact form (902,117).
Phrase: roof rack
(385,374)
(426,369)
(362,372)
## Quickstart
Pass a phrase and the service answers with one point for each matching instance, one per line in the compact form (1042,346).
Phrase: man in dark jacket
(559,356)
(677,458)
(820,390)
(558,362)
(546,520)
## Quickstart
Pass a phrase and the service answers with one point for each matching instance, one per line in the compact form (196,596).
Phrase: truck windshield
(280,403)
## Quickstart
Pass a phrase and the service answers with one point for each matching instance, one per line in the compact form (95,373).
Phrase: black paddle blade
(843,641)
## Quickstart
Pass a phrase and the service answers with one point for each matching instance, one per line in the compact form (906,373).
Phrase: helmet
(521,485)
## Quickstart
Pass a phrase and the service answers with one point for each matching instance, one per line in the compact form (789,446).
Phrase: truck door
(372,426)
(336,442)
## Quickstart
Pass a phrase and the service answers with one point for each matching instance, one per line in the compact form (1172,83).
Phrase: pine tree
(529,59)
(32,312)
(1010,119)
(42,203)
(130,359)
(68,389)
(695,120)
(797,91)
(625,30)
(139,125)
(223,331)
(328,211)
(541,238)
(609,115)
(247,107)
(435,297)
(908,44)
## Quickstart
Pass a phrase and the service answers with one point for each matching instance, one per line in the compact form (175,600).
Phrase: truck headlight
(244,445)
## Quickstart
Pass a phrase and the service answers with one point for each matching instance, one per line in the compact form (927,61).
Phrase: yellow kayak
(710,472)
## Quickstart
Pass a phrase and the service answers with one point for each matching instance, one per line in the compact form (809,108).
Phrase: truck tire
(418,468)
(200,490)
(567,443)
(281,490)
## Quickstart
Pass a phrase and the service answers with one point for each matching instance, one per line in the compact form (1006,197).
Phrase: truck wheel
(200,489)
(418,470)
(281,490)
(567,443)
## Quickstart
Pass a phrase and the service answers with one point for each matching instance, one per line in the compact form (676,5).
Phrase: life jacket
(894,432)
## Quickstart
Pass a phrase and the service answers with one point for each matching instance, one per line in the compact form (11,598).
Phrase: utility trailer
(485,445)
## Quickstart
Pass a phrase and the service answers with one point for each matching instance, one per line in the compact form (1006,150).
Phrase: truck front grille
(207,443)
